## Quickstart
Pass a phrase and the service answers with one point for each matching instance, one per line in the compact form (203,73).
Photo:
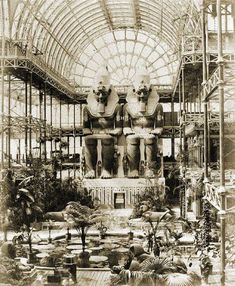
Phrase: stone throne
(102,124)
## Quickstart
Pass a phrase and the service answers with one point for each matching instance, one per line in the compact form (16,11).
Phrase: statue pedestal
(120,192)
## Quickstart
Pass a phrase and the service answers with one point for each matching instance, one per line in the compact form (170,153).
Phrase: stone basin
(78,241)
(22,260)
(105,240)
(95,239)
(43,247)
(42,255)
(110,246)
(109,241)
(98,259)
(96,248)
(78,251)
(121,250)
(74,247)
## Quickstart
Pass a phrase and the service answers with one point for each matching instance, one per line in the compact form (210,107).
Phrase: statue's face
(142,95)
(102,94)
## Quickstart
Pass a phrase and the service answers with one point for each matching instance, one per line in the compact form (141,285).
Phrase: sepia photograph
(117,142)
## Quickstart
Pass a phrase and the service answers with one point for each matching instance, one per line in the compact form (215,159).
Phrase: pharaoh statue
(102,124)
(143,122)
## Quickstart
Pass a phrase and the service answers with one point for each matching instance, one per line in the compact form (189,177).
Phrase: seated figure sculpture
(102,124)
(143,122)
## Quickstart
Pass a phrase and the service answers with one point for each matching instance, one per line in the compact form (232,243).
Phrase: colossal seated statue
(102,122)
(143,122)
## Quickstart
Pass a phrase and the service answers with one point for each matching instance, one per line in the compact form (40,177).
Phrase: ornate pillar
(68,150)
(30,118)
(80,123)
(74,140)
(204,93)
(45,122)
(2,84)
(51,122)
(173,129)
(183,117)
(221,133)
(9,124)
(40,120)
(60,134)
(26,120)
(180,121)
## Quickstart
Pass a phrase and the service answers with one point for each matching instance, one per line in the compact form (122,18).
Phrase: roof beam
(107,14)
(136,14)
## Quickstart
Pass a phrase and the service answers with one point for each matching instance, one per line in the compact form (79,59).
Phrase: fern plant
(82,218)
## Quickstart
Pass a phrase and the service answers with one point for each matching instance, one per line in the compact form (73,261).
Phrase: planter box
(53,278)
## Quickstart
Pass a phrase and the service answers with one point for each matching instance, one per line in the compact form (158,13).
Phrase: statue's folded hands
(128,131)
(87,131)
(116,131)
(157,131)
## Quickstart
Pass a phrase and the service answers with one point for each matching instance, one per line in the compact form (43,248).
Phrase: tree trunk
(30,242)
(83,238)
(5,234)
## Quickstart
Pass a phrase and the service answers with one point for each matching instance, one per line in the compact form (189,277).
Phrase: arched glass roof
(122,51)
(75,36)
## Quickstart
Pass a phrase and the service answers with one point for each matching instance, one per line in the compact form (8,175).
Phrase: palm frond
(162,217)
(115,280)
(37,209)
(78,207)
(148,263)
(28,211)
(157,265)
(26,193)
(26,180)
(139,277)
(179,279)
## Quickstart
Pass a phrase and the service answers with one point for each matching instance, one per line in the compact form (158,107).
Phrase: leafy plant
(150,199)
(156,271)
(9,274)
(7,193)
(24,212)
(207,224)
(154,226)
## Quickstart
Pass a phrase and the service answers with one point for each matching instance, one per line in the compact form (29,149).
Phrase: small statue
(102,122)
(143,122)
